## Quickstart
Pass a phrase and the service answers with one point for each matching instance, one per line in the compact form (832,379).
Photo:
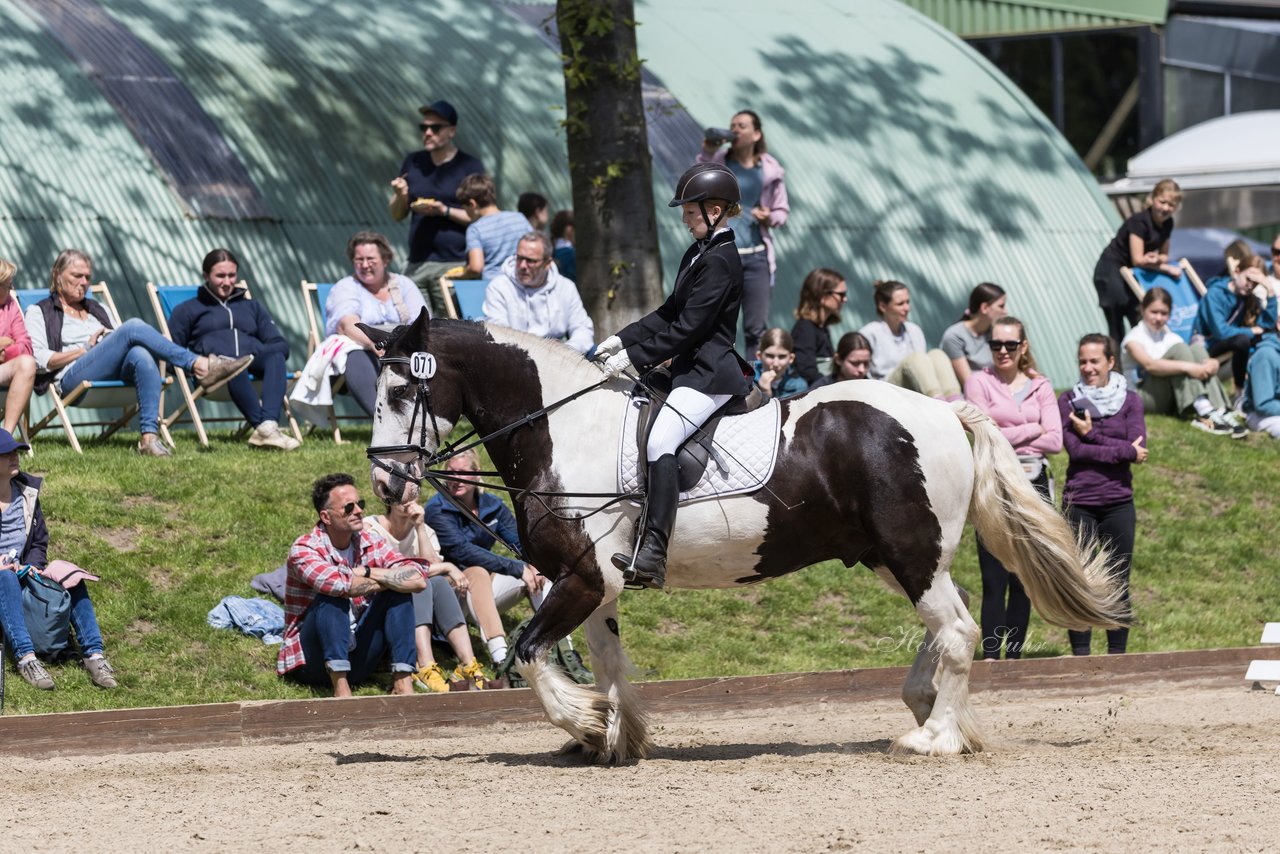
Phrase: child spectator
(493,233)
(1105,433)
(1020,400)
(1235,310)
(17,364)
(1262,394)
(562,236)
(1174,379)
(822,295)
(775,368)
(965,341)
(852,360)
(533,207)
(1142,241)
(901,356)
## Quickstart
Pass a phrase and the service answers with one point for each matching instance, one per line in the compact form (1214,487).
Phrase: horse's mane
(555,357)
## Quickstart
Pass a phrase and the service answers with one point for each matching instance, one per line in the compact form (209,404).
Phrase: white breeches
(684,412)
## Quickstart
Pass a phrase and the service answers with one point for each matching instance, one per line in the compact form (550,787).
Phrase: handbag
(46,606)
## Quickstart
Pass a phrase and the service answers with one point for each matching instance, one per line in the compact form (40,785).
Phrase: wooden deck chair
(101,394)
(164,299)
(464,298)
(314,297)
(1186,290)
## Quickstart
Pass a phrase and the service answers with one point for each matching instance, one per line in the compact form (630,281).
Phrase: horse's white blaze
(391,428)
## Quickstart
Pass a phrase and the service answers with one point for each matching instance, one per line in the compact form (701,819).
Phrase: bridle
(422,367)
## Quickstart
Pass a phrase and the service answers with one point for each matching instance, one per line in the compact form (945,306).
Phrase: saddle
(699,449)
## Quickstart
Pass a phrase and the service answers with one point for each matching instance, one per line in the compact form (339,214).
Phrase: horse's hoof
(921,741)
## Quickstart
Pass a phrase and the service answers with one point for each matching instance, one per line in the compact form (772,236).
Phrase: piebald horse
(866,473)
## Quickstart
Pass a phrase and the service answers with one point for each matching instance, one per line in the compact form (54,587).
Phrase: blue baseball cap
(443,109)
(8,444)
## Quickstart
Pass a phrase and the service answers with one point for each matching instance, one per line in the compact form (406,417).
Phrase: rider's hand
(617,363)
(608,347)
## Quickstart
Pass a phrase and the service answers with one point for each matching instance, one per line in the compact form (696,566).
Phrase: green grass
(171,537)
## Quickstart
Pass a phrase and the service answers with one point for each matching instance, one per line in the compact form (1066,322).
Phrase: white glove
(608,347)
(617,363)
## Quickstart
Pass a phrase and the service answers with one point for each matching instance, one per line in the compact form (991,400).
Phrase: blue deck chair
(166,298)
(1187,291)
(101,394)
(464,298)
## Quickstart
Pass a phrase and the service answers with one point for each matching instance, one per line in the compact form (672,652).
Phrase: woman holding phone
(1105,434)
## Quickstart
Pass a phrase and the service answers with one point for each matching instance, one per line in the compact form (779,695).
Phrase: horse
(866,472)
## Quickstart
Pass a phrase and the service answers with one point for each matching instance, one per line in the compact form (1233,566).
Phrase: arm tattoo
(397,577)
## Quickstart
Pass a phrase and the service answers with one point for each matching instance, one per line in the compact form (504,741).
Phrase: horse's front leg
(580,711)
(628,732)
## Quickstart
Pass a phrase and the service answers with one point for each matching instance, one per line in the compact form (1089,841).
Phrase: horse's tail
(1067,578)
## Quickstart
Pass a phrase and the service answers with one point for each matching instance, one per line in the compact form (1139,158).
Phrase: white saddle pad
(743,452)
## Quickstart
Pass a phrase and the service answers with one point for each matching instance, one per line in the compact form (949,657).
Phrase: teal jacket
(1262,392)
(1219,316)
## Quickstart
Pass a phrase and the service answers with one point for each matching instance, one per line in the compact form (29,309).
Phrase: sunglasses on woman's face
(843,296)
(1006,346)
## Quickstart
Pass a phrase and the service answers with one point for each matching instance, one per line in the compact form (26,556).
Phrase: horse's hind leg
(580,711)
(942,668)
(627,736)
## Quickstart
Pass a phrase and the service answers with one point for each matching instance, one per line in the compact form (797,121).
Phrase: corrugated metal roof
(986,18)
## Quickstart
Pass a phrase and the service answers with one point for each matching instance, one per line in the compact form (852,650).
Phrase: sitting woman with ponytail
(900,354)
(966,342)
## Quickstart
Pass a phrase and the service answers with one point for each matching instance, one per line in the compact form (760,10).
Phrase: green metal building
(147,133)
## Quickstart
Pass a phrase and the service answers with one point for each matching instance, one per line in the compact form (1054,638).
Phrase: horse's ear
(422,326)
(377,336)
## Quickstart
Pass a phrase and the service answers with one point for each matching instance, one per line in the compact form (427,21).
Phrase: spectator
(1142,241)
(1235,310)
(17,365)
(562,236)
(73,340)
(966,341)
(533,207)
(427,188)
(764,208)
(822,295)
(222,319)
(337,572)
(1020,400)
(24,541)
(901,356)
(1174,379)
(1105,434)
(531,295)
(775,368)
(852,360)
(493,233)
(405,529)
(1262,393)
(372,295)
(1274,266)
(495,582)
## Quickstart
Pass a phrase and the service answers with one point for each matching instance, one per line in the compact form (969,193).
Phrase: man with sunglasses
(531,295)
(427,189)
(334,572)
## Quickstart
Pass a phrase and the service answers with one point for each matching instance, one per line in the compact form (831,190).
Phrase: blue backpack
(46,605)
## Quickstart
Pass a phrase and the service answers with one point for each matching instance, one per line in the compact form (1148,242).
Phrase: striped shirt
(497,235)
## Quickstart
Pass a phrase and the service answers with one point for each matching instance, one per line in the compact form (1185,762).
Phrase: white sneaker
(268,435)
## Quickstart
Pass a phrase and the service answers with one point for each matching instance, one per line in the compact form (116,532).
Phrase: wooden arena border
(419,716)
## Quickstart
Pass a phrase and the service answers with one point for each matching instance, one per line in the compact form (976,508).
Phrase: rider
(695,328)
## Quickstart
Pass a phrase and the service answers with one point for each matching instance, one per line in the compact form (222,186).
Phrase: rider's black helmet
(706,181)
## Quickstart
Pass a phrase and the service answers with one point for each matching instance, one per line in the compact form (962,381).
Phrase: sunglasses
(1275,250)
(434,127)
(1006,346)
(843,296)
(350,507)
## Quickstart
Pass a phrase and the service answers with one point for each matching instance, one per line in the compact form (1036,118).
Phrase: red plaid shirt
(315,566)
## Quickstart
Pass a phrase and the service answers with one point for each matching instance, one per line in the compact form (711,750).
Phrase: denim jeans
(11,617)
(84,621)
(269,368)
(130,353)
(327,638)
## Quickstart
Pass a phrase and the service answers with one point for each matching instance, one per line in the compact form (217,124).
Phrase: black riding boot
(661,498)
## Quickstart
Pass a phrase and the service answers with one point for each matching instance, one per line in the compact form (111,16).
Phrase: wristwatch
(367,572)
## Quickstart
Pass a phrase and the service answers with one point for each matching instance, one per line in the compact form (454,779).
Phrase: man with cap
(426,190)
(24,542)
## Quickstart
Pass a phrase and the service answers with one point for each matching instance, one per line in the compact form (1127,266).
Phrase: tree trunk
(616,236)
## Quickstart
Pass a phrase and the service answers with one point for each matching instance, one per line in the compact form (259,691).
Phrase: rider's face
(691,215)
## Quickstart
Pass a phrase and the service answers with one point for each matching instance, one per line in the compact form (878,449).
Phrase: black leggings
(1238,346)
(362,379)
(1001,622)
(1113,525)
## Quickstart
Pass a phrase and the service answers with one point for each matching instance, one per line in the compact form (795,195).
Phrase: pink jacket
(12,326)
(773,196)
(1021,423)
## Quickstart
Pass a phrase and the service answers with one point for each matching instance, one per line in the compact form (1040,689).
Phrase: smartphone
(1083,405)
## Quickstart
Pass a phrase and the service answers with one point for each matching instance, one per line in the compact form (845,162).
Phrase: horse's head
(418,404)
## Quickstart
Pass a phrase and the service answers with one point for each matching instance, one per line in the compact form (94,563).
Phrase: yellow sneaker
(473,673)
(431,678)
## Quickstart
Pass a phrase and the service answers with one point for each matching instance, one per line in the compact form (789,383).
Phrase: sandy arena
(1161,766)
